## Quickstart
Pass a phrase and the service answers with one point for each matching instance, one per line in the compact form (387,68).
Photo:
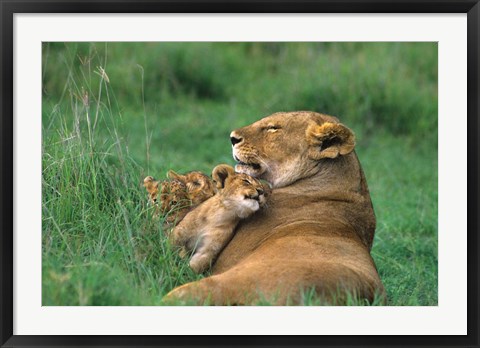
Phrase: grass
(115,113)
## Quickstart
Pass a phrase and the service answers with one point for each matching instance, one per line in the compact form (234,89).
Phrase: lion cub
(209,227)
(179,194)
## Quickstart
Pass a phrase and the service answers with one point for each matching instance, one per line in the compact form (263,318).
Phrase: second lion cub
(209,227)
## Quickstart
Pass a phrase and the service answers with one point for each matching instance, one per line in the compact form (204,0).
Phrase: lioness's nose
(235,139)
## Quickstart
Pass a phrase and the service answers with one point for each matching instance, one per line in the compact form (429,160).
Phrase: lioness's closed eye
(209,227)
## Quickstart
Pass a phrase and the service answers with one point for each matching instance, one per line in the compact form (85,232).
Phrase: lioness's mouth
(255,166)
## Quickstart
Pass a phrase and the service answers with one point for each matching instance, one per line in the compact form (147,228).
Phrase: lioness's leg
(202,292)
(248,284)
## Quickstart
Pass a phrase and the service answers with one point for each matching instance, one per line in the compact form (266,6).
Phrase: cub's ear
(220,173)
(175,176)
(148,180)
(329,140)
(150,184)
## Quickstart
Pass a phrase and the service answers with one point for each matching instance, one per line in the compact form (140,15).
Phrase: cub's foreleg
(182,237)
(211,245)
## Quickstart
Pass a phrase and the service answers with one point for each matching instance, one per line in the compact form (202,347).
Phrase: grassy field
(114,113)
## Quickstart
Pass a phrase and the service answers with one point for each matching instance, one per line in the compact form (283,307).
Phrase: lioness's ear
(220,173)
(329,140)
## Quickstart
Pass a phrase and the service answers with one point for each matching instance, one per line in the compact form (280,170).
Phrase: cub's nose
(260,192)
(235,138)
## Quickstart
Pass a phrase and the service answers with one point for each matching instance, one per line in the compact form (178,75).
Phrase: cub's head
(176,195)
(167,194)
(173,194)
(199,186)
(240,191)
(288,146)
(152,188)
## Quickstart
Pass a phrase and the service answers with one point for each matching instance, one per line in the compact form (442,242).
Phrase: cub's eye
(246,181)
(196,183)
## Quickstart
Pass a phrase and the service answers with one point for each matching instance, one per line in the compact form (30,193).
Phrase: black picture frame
(9,7)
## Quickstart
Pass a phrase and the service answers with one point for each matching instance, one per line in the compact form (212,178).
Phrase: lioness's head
(287,146)
(240,191)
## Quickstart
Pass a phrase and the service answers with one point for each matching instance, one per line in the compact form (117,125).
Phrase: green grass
(164,106)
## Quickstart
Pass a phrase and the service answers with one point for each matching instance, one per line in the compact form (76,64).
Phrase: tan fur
(209,227)
(318,229)
(199,186)
(151,185)
(179,194)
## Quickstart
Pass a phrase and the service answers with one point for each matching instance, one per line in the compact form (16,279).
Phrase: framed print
(268,173)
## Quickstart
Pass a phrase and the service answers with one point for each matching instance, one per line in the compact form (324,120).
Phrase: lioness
(318,230)
(209,227)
